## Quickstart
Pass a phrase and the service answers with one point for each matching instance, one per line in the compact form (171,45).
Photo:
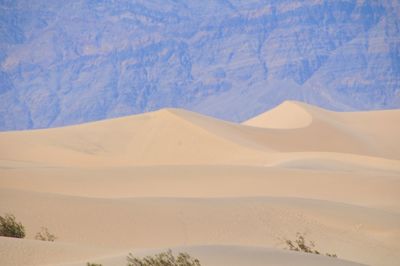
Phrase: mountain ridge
(88,60)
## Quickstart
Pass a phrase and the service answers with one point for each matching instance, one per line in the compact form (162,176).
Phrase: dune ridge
(173,136)
(288,115)
(226,192)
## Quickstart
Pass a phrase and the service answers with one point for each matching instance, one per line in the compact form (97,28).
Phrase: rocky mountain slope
(67,62)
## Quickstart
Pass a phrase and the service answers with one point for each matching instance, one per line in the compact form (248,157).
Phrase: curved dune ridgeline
(230,194)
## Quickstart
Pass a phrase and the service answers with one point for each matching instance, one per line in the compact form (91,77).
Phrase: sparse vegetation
(301,245)
(9,227)
(45,235)
(93,264)
(164,259)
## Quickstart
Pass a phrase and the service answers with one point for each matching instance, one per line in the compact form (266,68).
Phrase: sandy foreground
(229,194)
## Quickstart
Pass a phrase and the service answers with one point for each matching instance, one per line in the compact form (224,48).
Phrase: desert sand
(229,194)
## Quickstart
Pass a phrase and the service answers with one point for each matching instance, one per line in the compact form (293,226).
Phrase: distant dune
(227,193)
(288,115)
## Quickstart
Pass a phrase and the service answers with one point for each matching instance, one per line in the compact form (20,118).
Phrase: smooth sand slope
(227,193)
(49,253)
(179,137)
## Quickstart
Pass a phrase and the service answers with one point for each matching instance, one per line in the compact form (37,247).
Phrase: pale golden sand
(227,193)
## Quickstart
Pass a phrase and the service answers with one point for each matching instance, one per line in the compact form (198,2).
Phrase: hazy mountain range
(67,62)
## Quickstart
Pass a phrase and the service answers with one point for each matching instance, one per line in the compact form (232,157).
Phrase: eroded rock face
(66,62)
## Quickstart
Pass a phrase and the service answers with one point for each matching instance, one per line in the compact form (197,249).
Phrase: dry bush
(10,227)
(45,235)
(301,245)
(163,259)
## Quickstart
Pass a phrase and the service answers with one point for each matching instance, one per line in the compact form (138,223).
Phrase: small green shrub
(93,264)
(164,259)
(10,227)
(45,235)
(301,245)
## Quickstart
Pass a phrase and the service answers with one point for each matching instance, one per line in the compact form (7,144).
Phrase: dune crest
(288,115)
(174,178)
(174,136)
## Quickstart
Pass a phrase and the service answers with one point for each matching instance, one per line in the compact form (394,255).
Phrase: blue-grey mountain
(67,62)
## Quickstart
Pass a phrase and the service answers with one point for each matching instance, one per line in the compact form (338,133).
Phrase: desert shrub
(10,227)
(300,244)
(45,235)
(163,259)
(331,255)
(93,264)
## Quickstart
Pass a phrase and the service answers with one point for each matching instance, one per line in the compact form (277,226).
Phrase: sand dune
(180,137)
(369,133)
(161,137)
(44,253)
(379,188)
(234,256)
(288,115)
(159,222)
(15,252)
(174,178)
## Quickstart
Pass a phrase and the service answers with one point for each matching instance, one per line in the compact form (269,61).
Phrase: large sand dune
(228,193)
